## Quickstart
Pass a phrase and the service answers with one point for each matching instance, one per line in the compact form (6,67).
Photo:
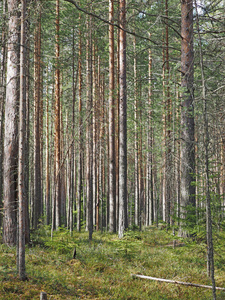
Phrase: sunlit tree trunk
(122,222)
(11,129)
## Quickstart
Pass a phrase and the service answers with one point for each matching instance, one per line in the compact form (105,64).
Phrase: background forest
(111,117)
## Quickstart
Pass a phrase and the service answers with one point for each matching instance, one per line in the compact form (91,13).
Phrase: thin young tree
(57,126)
(136,173)
(122,222)
(210,250)
(22,148)
(112,174)
(80,132)
(36,213)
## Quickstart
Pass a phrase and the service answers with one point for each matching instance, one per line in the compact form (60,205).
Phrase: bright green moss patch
(102,269)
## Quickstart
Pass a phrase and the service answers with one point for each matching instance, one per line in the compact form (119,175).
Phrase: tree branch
(109,23)
(177,282)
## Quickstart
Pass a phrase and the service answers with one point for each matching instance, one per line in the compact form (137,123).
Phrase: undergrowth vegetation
(103,268)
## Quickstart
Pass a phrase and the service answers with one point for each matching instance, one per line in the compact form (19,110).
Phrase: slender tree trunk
(123,222)
(149,179)
(47,193)
(37,117)
(80,159)
(2,97)
(112,174)
(168,162)
(187,111)
(136,173)
(22,150)
(89,134)
(94,133)
(210,255)
(11,129)
(57,126)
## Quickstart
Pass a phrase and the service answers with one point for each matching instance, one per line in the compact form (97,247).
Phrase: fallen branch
(177,282)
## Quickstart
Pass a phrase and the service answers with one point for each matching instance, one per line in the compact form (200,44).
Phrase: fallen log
(177,282)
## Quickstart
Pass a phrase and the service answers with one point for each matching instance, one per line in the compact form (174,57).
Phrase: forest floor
(103,268)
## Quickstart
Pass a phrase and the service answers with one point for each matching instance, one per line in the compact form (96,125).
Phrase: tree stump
(43,296)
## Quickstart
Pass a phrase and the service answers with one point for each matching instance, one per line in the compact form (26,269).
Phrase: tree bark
(11,129)
(2,96)
(210,254)
(57,126)
(22,150)
(80,159)
(37,121)
(187,111)
(112,174)
(123,222)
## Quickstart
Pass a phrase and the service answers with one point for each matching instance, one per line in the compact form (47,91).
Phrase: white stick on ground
(177,282)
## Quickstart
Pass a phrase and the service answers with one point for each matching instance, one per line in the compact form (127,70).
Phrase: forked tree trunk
(11,129)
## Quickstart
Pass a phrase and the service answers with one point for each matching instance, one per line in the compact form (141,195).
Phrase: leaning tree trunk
(11,129)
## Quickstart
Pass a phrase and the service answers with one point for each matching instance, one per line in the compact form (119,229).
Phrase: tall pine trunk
(36,213)
(112,174)
(57,127)
(11,129)
(22,147)
(123,221)
(187,112)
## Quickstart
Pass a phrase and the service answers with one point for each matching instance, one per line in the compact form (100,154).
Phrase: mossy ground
(102,269)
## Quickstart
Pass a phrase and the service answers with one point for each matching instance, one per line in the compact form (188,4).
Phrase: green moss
(103,268)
